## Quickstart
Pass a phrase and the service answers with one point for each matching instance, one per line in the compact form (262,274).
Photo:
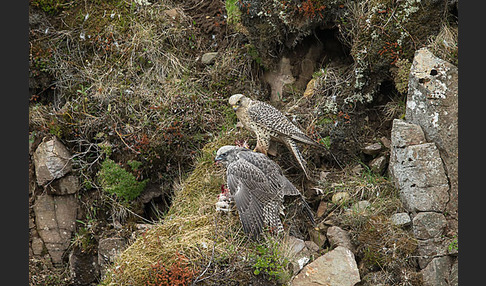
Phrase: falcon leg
(263,142)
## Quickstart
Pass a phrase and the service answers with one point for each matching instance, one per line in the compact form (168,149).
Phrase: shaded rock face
(55,218)
(437,272)
(51,160)
(83,267)
(432,103)
(108,250)
(335,268)
(67,185)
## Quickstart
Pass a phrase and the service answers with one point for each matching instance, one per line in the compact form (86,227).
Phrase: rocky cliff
(129,105)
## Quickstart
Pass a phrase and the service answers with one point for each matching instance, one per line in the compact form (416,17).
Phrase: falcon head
(238,100)
(226,154)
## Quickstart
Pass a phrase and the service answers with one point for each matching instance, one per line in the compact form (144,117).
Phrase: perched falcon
(270,124)
(257,186)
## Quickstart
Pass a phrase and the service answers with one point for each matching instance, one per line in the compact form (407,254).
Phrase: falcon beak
(217,160)
(235,107)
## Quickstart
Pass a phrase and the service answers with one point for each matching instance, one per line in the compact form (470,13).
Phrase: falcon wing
(268,117)
(251,193)
(278,182)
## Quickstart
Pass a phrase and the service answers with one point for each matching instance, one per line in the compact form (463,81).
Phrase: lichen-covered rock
(51,160)
(454,275)
(401,219)
(428,225)
(429,249)
(335,268)
(432,103)
(417,170)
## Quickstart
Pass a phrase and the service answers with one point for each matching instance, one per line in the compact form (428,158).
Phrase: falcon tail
(306,140)
(300,159)
(308,211)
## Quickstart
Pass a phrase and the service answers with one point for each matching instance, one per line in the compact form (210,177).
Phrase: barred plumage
(258,187)
(268,124)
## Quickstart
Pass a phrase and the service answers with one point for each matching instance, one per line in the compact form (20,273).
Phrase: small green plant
(232,11)
(326,141)
(116,180)
(253,53)
(270,262)
(453,246)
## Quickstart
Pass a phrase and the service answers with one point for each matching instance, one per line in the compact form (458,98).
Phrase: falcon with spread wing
(268,123)
(258,187)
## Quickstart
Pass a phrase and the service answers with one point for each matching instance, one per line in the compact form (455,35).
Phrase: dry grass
(445,44)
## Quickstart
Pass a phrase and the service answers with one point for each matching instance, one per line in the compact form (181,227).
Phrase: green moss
(117,181)
(401,76)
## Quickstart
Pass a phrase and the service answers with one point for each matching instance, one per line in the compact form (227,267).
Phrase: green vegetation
(453,245)
(50,6)
(116,180)
(401,75)
(270,261)
(233,12)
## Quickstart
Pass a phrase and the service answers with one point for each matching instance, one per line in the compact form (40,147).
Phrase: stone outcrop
(66,185)
(335,268)
(55,218)
(55,208)
(424,161)
(417,170)
(300,252)
(432,103)
(339,237)
(83,267)
(437,272)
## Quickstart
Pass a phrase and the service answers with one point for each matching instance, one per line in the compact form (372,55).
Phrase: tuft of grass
(383,244)
(445,44)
